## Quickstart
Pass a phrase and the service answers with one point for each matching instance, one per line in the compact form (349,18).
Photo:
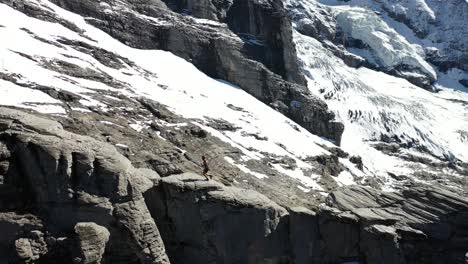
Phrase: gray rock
(304,235)
(14,243)
(72,178)
(93,239)
(24,250)
(207,222)
(380,244)
(29,250)
(339,232)
(408,227)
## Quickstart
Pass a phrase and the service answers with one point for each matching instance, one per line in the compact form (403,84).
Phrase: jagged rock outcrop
(82,201)
(93,239)
(208,223)
(21,238)
(263,26)
(67,178)
(258,57)
(420,225)
(202,220)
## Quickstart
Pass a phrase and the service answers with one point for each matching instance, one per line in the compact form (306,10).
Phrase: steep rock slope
(69,184)
(77,71)
(89,205)
(68,179)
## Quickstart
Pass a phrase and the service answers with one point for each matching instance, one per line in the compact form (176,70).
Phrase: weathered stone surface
(72,178)
(93,239)
(304,235)
(420,225)
(24,250)
(22,239)
(339,233)
(205,222)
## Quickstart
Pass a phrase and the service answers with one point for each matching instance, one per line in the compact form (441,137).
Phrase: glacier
(377,107)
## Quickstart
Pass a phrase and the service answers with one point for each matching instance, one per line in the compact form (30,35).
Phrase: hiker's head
(203,157)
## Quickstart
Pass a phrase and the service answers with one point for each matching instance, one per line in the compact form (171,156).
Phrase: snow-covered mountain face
(107,107)
(364,59)
(86,65)
(421,41)
(56,63)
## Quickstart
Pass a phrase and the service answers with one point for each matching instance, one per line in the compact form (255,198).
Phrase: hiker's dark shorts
(205,171)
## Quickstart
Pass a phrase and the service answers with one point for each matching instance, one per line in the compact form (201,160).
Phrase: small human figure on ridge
(205,167)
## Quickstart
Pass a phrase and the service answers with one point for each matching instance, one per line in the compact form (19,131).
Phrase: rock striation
(77,200)
(420,225)
(65,179)
(93,239)
(209,223)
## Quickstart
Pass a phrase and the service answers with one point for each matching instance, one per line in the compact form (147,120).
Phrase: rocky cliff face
(85,203)
(102,133)
(66,180)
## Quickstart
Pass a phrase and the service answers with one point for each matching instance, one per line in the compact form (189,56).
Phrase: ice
(122,146)
(428,23)
(372,104)
(109,123)
(309,181)
(388,46)
(79,109)
(137,126)
(306,190)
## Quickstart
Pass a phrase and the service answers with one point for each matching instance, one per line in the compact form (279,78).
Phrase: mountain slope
(335,132)
(94,72)
(398,128)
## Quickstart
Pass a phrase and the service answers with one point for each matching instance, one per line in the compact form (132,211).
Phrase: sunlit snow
(185,92)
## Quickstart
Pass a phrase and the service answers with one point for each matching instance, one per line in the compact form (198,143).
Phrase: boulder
(92,239)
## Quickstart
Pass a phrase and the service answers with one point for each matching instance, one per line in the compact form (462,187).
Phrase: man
(205,167)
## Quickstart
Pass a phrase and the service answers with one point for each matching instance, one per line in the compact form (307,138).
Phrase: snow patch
(244,169)
(14,95)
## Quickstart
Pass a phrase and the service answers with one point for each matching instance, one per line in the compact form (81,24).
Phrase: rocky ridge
(139,217)
(68,179)
(86,186)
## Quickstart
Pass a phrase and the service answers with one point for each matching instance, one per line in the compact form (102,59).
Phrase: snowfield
(157,75)
(372,105)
